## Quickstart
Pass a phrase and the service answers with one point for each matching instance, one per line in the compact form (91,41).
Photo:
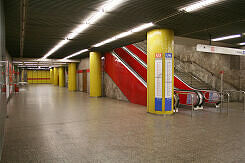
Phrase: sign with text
(168,81)
(158,82)
(220,50)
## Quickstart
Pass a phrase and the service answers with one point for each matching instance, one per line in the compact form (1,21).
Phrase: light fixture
(199,5)
(75,54)
(242,43)
(226,37)
(124,34)
(91,19)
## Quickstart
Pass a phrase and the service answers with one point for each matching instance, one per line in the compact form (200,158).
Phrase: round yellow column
(72,84)
(61,77)
(51,76)
(95,74)
(56,76)
(160,54)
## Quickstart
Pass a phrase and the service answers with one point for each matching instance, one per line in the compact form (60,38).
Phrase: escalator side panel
(137,52)
(180,84)
(132,62)
(131,87)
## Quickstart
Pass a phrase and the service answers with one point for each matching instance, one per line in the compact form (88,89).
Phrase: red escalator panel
(132,63)
(131,87)
(137,52)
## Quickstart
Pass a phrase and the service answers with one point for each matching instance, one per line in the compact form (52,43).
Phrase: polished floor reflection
(51,124)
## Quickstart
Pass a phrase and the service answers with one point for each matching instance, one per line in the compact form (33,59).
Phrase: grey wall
(111,89)
(83,65)
(2,95)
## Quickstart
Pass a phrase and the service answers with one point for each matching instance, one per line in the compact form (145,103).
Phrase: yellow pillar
(95,74)
(56,76)
(160,71)
(72,85)
(51,76)
(61,77)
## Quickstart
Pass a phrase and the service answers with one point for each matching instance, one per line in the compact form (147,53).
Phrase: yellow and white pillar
(72,85)
(61,77)
(95,74)
(51,76)
(56,76)
(160,71)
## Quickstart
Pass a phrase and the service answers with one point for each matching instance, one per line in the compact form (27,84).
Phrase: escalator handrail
(135,57)
(130,69)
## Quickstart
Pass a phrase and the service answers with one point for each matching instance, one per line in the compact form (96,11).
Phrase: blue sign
(158,104)
(168,104)
(168,55)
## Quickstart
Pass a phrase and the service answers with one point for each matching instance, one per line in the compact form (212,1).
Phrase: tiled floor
(50,124)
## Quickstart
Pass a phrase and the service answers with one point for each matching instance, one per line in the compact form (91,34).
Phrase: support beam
(56,76)
(95,74)
(51,76)
(61,77)
(160,71)
(72,84)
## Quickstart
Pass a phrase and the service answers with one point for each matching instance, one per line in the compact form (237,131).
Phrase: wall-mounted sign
(220,50)
(168,81)
(158,82)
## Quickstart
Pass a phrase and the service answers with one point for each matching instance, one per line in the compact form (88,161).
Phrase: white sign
(220,50)
(168,81)
(158,81)
(168,75)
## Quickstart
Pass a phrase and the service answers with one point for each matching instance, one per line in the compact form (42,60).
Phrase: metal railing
(240,92)
(222,100)
(192,99)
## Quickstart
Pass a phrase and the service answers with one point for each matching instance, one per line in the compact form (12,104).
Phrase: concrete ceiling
(49,21)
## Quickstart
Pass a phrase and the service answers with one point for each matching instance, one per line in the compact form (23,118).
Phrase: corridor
(51,124)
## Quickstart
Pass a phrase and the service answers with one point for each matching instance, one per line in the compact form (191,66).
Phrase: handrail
(222,100)
(240,91)
(130,69)
(191,75)
(135,57)
(141,49)
(192,99)
(178,58)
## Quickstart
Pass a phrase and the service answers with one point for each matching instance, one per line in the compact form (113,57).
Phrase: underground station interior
(122,81)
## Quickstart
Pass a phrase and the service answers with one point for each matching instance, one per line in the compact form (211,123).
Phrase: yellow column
(61,77)
(56,76)
(160,61)
(51,76)
(72,85)
(95,74)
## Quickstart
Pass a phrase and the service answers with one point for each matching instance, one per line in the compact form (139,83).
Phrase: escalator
(129,72)
(182,80)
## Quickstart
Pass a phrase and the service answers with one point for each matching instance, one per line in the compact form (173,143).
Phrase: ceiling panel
(48,22)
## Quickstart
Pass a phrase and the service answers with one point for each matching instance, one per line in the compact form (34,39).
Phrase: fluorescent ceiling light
(91,19)
(227,37)
(243,43)
(199,5)
(124,34)
(77,53)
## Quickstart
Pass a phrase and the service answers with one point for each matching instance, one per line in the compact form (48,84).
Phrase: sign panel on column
(168,81)
(158,82)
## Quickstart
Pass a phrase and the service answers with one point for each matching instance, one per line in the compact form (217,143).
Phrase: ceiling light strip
(199,5)
(242,43)
(91,19)
(227,37)
(119,36)
(124,34)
